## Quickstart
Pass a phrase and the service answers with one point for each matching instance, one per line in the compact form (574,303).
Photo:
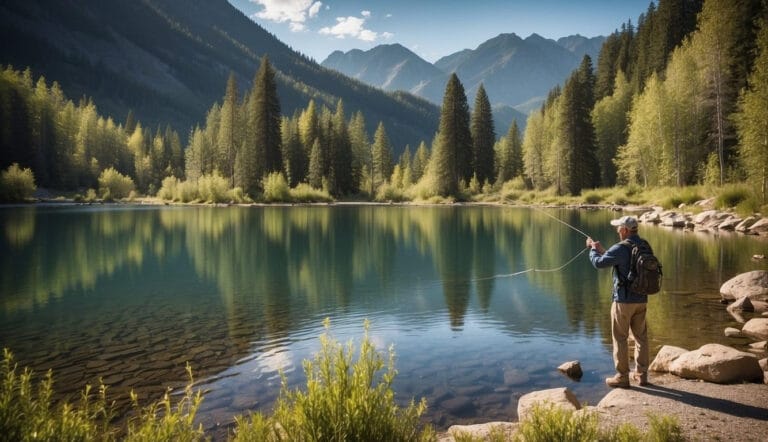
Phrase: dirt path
(705,411)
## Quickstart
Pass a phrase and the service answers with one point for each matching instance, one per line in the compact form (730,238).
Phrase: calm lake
(131,293)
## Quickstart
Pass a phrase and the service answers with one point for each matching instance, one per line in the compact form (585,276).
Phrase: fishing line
(533,269)
(559,220)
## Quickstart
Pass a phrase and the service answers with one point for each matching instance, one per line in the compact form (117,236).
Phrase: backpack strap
(624,280)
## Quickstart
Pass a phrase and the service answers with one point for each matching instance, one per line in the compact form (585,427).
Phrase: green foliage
(731,196)
(213,188)
(169,188)
(592,197)
(113,183)
(549,422)
(346,399)
(664,429)
(305,193)
(16,184)
(388,192)
(276,188)
(164,421)
(27,411)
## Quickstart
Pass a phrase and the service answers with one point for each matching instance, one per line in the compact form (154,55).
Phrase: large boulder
(756,328)
(665,357)
(559,397)
(752,284)
(717,363)
(481,431)
(760,226)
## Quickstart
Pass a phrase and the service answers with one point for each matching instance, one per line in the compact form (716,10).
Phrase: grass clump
(27,412)
(345,399)
(162,421)
(731,196)
(549,422)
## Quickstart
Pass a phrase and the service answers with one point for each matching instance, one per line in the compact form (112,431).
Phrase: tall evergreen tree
(452,159)
(576,131)
(483,137)
(361,149)
(264,119)
(381,154)
(420,161)
(342,153)
(610,118)
(509,155)
(315,172)
(226,149)
(295,160)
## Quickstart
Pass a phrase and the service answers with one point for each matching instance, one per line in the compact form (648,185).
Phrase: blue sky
(430,28)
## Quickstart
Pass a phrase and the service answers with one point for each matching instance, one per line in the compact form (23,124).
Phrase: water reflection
(134,293)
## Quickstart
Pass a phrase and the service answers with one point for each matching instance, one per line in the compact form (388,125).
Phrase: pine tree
(361,148)
(420,161)
(295,159)
(226,149)
(315,173)
(509,155)
(610,118)
(452,159)
(381,154)
(263,144)
(342,153)
(483,137)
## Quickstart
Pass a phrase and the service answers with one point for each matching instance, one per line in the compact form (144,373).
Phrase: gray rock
(559,397)
(756,328)
(717,363)
(482,431)
(742,304)
(745,224)
(752,284)
(665,357)
(730,223)
(760,226)
(572,369)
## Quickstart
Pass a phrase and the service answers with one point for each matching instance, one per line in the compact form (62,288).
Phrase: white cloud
(387,35)
(295,12)
(354,27)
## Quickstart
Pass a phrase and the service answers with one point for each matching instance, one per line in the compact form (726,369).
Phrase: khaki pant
(626,317)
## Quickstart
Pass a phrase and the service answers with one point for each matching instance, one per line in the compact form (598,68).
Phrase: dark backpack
(644,277)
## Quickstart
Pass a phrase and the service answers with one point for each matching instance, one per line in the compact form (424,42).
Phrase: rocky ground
(705,411)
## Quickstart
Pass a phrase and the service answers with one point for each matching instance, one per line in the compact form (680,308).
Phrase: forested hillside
(673,101)
(169,60)
(680,98)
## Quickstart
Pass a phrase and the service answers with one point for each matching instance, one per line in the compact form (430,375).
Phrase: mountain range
(168,61)
(515,72)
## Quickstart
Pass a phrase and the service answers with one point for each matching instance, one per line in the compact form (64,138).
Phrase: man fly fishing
(628,308)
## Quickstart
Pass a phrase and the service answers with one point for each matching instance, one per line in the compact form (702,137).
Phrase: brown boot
(617,381)
(640,378)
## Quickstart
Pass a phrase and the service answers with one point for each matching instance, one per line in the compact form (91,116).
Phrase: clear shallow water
(131,294)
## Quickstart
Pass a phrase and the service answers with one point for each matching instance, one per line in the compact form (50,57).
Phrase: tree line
(681,99)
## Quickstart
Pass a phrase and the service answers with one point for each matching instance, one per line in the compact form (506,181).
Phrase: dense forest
(680,98)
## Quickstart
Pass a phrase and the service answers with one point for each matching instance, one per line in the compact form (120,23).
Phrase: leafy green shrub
(731,196)
(592,197)
(27,411)
(276,188)
(390,192)
(161,421)
(549,422)
(347,400)
(168,189)
(305,193)
(186,192)
(213,188)
(16,184)
(90,196)
(113,184)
